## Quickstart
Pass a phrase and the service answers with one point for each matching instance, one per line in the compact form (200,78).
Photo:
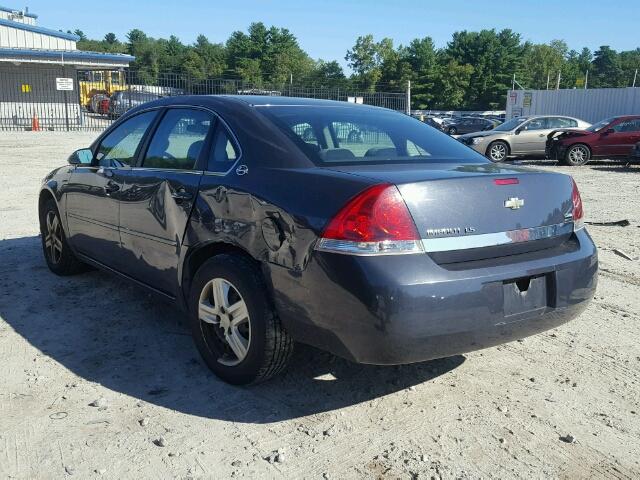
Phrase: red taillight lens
(375,215)
(578,210)
(506,181)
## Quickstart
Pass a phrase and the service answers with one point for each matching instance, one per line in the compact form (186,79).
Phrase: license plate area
(525,295)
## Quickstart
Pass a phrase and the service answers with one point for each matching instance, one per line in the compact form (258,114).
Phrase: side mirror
(518,130)
(84,156)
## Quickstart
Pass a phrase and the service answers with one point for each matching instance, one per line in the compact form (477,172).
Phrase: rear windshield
(354,135)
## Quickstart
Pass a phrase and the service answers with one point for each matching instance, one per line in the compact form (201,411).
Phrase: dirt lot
(67,342)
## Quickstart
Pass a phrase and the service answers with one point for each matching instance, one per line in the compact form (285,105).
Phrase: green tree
(607,70)
(543,62)
(494,56)
(110,38)
(452,84)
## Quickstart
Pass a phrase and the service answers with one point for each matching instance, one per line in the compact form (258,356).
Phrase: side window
(223,151)
(305,132)
(537,124)
(363,140)
(414,150)
(562,122)
(178,140)
(627,126)
(119,147)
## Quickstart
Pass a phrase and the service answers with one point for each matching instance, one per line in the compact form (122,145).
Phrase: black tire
(269,347)
(576,155)
(452,130)
(498,151)
(61,261)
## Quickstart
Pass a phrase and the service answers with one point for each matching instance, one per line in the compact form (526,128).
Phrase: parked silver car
(519,136)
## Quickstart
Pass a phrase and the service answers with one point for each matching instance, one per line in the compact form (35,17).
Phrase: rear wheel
(498,151)
(60,259)
(452,130)
(577,155)
(234,324)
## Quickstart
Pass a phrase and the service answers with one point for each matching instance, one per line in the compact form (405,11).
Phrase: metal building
(591,105)
(38,72)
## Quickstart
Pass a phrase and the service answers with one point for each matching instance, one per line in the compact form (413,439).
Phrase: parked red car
(610,138)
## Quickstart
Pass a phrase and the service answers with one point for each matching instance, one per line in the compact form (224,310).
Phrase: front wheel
(60,259)
(577,155)
(498,151)
(452,130)
(234,324)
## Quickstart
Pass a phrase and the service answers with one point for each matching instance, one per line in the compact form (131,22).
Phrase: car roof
(258,101)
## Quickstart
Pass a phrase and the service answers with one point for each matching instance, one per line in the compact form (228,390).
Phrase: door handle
(181,195)
(111,187)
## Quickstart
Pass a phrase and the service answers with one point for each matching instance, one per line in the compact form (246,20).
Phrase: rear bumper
(404,309)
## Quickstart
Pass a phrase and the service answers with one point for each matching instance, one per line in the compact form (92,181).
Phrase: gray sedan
(519,136)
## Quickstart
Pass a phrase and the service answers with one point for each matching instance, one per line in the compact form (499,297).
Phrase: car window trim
(116,125)
(198,167)
(221,126)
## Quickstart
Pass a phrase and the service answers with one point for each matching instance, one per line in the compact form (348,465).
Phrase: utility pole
(586,79)
(513,83)
(548,78)
(408,97)
(558,82)
(635,75)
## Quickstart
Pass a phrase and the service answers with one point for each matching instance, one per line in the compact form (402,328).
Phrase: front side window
(353,134)
(627,126)
(119,147)
(223,151)
(178,140)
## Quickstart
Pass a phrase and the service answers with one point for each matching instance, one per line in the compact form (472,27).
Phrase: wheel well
(196,258)
(45,196)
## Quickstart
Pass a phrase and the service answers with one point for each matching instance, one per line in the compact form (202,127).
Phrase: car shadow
(113,333)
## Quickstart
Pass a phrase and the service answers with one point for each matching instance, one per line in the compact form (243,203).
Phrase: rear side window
(119,147)
(562,122)
(354,134)
(224,152)
(178,140)
(537,124)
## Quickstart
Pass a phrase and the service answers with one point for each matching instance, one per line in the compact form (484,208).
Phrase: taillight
(578,210)
(374,222)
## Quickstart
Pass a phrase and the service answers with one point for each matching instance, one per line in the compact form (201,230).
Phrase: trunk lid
(451,201)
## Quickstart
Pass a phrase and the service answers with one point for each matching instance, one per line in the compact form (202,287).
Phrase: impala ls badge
(514,203)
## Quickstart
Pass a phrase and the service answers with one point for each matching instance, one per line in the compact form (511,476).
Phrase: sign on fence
(64,84)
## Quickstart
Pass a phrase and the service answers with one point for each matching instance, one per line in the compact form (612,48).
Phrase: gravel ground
(100,380)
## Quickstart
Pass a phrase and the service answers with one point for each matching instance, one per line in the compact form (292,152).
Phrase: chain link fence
(55,99)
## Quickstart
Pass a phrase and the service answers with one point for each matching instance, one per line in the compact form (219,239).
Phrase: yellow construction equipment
(100,81)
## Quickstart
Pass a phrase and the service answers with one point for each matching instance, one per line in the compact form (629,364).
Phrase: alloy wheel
(53,237)
(224,320)
(578,154)
(498,151)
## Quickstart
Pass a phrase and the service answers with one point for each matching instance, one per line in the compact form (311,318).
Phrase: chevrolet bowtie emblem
(514,203)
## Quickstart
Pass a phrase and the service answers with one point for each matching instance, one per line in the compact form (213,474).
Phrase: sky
(327,29)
